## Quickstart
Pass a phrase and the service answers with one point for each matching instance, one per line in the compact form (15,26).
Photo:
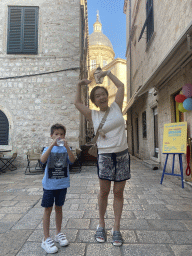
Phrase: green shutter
(30,31)
(22,30)
(14,30)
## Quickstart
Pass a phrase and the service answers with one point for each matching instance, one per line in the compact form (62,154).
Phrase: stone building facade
(159,61)
(54,49)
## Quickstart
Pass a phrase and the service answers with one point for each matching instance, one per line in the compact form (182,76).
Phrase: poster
(175,138)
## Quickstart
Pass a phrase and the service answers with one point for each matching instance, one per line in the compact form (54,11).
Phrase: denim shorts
(114,166)
(51,196)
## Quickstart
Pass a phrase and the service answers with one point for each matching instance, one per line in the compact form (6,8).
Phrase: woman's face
(101,99)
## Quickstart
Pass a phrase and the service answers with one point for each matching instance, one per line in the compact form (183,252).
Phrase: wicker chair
(33,156)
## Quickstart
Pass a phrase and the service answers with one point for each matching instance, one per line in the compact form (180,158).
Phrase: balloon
(187,104)
(181,108)
(187,90)
(180,98)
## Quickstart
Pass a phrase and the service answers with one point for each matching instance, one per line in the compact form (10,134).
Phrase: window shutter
(149,22)
(22,30)
(14,30)
(30,32)
(4,129)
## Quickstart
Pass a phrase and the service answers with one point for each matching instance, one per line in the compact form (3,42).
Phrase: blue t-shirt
(57,169)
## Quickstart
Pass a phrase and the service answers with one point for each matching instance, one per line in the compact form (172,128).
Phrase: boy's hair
(92,94)
(56,127)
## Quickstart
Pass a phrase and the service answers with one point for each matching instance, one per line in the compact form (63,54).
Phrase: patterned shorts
(114,166)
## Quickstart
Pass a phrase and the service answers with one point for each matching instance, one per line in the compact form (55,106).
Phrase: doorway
(156,143)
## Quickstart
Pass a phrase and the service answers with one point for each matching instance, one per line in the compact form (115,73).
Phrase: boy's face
(59,133)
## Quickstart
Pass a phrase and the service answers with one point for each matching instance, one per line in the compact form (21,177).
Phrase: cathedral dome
(97,37)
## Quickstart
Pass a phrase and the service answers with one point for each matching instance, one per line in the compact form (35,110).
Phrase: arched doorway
(4,129)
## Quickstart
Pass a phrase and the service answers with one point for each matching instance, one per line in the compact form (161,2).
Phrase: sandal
(117,239)
(100,235)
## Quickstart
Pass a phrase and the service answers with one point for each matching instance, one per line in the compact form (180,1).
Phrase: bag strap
(101,125)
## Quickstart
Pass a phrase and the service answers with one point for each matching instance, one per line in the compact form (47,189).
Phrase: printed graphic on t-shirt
(57,166)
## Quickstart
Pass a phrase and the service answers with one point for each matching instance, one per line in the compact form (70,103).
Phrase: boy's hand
(70,154)
(66,144)
(54,142)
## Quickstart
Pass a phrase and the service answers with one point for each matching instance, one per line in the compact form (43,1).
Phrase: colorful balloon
(180,98)
(181,108)
(187,104)
(187,90)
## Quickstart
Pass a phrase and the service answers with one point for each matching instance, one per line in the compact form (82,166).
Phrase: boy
(55,183)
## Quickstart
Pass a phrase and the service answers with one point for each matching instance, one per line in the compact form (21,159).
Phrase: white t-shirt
(114,128)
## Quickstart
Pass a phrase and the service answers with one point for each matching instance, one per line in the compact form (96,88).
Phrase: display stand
(173,165)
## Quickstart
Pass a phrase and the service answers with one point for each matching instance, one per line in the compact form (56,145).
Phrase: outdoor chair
(33,156)
(7,161)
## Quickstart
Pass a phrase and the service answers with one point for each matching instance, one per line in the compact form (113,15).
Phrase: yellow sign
(175,138)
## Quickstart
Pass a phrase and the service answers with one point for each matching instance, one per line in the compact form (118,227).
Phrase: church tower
(100,48)
(101,54)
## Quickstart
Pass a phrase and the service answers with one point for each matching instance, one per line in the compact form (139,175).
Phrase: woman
(113,156)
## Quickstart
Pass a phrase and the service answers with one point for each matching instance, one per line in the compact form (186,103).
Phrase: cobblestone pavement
(156,220)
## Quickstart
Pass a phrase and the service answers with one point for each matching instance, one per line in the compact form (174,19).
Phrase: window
(144,124)
(137,134)
(4,129)
(22,30)
(104,63)
(149,22)
(93,64)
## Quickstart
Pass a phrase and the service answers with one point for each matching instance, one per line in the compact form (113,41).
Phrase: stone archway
(6,128)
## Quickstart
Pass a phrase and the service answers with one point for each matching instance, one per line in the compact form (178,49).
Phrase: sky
(113,22)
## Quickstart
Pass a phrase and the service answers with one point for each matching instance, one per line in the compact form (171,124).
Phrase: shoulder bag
(93,150)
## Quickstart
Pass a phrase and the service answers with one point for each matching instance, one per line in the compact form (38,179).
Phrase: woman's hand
(102,74)
(84,82)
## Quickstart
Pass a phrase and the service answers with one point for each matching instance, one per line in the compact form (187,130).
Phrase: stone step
(151,164)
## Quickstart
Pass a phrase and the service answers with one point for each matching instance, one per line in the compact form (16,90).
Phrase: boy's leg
(59,202)
(47,203)
(46,221)
(58,218)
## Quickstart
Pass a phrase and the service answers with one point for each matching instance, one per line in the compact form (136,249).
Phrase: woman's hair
(92,94)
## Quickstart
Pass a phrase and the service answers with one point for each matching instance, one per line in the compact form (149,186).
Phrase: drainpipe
(130,70)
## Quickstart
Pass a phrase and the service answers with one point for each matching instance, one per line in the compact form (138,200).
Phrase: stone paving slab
(156,219)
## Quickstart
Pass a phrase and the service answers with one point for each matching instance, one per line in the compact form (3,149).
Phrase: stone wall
(33,104)
(171,18)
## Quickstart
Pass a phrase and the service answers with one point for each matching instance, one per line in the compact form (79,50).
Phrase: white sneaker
(49,246)
(61,239)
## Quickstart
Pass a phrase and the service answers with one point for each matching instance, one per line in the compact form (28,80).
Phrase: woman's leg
(58,218)
(46,221)
(102,200)
(118,202)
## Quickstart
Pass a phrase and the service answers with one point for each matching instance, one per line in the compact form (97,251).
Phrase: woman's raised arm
(78,104)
